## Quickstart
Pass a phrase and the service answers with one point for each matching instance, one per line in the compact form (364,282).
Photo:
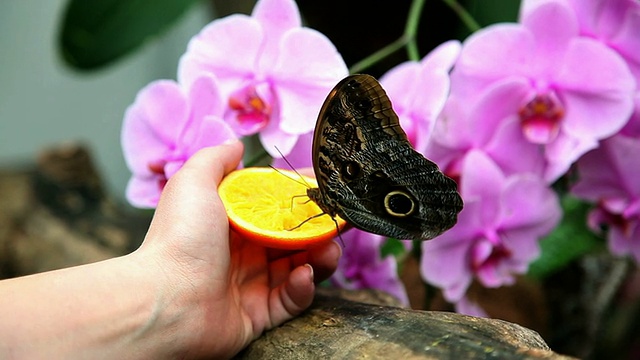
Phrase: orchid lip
(541,118)
(250,109)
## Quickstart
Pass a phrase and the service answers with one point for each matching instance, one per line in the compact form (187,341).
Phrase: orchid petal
(481,177)
(468,307)
(512,152)
(443,56)
(276,18)
(498,103)
(626,40)
(209,52)
(601,88)
(153,123)
(528,203)
(554,26)
(563,152)
(444,264)
(299,156)
(143,192)
(277,15)
(610,171)
(301,81)
(271,138)
(509,45)
(205,97)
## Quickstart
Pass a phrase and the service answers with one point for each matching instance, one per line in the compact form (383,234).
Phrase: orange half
(268,207)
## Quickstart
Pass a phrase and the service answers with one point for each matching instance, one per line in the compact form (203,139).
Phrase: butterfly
(369,174)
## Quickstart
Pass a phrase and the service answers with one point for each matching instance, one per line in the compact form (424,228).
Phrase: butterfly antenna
(303,182)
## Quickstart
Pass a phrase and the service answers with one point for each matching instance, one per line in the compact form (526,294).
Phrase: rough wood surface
(337,328)
(55,214)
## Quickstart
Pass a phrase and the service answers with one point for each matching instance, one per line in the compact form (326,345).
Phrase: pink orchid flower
(165,126)
(633,126)
(497,232)
(575,90)
(300,155)
(419,90)
(274,74)
(362,266)
(491,125)
(615,23)
(609,176)
(468,307)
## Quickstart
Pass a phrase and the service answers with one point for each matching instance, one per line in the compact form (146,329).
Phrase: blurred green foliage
(98,32)
(569,241)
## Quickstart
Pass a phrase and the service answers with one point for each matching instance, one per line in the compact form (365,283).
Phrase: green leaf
(569,241)
(491,12)
(97,32)
(484,13)
(392,247)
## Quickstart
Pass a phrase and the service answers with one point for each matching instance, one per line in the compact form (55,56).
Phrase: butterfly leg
(318,215)
(310,218)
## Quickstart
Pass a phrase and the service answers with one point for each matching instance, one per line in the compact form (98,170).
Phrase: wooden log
(337,328)
(56,214)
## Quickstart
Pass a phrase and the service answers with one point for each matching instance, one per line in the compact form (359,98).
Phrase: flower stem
(378,55)
(408,40)
(258,159)
(464,15)
(411,29)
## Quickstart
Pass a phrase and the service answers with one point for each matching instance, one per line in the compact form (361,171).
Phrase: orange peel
(270,207)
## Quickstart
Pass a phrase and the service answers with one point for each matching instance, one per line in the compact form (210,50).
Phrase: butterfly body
(369,174)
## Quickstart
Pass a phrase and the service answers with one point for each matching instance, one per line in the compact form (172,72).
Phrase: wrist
(171,314)
(191,321)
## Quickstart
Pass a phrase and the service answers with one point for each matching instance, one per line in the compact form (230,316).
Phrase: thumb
(191,195)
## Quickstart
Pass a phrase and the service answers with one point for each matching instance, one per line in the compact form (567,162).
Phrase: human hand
(228,289)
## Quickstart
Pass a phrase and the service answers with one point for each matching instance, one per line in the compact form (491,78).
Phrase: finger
(190,195)
(208,166)
(293,296)
(276,254)
(279,271)
(324,260)
(248,258)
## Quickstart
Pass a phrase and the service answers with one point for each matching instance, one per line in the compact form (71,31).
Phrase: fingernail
(310,272)
(230,141)
(339,249)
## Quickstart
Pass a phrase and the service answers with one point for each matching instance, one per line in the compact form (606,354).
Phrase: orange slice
(266,206)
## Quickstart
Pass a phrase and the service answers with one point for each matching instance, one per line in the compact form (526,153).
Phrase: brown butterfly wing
(369,174)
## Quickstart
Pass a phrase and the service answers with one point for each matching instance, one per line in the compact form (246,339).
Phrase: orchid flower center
(488,252)
(541,117)
(618,221)
(492,258)
(625,221)
(157,168)
(250,108)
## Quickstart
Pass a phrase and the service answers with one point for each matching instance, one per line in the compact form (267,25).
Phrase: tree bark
(56,214)
(337,328)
